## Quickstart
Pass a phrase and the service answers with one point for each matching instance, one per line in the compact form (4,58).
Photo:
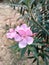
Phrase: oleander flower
(24,36)
(21,34)
(11,33)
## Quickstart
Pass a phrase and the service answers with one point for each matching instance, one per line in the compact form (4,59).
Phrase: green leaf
(14,48)
(38,44)
(30,57)
(43,28)
(35,52)
(31,2)
(24,2)
(23,51)
(37,61)
(27,2)
(41,55)
(47,49)
(28,52)
(46,61)
(47,55)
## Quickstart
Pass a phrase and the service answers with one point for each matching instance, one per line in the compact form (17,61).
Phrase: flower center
(24,36)
(22,33)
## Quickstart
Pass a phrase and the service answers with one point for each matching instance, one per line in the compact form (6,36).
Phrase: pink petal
(17,38)
(11,35)
(8,35)
(22,44)
(24,26)
(29,40)
(11,30)
(17,28)
(22,32)
(28,32)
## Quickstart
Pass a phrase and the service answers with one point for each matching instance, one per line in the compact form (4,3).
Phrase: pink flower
(23,36)
(11,33)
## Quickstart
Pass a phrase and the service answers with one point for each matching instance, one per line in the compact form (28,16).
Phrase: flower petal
(17,38)
(8,35)
(28,32)
(24,26)
(22,32)
(22,44)
(29,40)
(11,35)
(17,28)
(11,30)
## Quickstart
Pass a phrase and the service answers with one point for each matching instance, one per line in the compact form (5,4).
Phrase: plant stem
(39,25)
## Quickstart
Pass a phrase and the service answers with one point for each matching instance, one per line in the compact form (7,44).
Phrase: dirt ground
(8,16)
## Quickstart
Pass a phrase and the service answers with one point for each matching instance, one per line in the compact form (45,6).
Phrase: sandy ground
(9,17)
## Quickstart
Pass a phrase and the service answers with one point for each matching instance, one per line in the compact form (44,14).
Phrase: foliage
(35,13)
